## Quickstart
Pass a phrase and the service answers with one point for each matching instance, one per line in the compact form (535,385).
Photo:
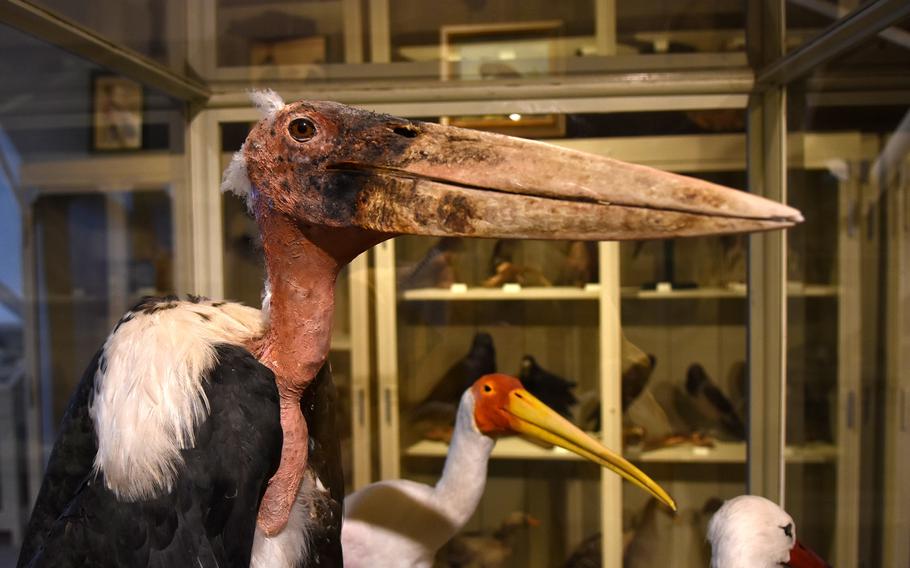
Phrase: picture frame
(503,51)
(116,113)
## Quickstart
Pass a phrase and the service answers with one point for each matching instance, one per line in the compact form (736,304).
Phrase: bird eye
(788,530)
(302,129)
(487,388)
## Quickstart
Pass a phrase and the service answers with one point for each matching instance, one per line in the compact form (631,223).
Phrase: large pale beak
(803,557)
(532,418)
(451,181)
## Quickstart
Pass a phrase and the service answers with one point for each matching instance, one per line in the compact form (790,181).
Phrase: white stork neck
(464,476)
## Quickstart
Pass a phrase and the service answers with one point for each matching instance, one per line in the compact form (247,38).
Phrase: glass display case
(109,175)
(848,172)
(501,40)
(90,198)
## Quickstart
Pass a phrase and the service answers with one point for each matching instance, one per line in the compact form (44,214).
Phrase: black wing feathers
(208,519)
(319,409)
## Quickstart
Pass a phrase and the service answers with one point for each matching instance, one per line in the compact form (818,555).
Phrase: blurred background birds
(485,549)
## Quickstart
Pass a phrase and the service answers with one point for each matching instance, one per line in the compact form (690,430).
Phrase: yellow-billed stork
(399,523)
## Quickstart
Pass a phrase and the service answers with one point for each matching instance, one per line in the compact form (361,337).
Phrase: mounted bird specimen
(505,270)
(437,268)
(752,532)
(403,523)
(711,402)
(203,433)
(637,367)
(580,265)
(551,389)
(434,417)
(480,550)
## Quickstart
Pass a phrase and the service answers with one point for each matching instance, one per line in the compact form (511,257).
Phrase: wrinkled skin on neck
(302,265)
(303,259)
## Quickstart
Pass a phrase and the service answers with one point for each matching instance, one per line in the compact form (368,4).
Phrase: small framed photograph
(504,51)
(116,113)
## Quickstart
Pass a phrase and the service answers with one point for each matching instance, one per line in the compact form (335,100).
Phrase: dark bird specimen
(553,390)
(637,367)
(437,267)
(167,454)
(434,417)
(505,270)
(580,265)
(477,549)
(400,522)
(712,403)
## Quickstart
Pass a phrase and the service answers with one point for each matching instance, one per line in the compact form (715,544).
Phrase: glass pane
(468,306)
(154,28)
(279,33)
(848,173)
(530,310)
(90,164)
(807,19)
(684,381)
(505,39)
(468,41)
(244,279)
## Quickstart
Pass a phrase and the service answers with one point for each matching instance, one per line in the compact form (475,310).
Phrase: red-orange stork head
(502,406)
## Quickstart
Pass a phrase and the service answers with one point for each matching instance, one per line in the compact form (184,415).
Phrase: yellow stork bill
(203,435)
(752,532)
(403,523)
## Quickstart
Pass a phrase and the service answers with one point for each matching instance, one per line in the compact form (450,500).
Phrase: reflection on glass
(848,174)
(807,19)
(302,32)
(504,39)
(87,227)
(153,28)
(684,389)
(528,314)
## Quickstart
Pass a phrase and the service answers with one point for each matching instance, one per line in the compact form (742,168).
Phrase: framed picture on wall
(116,113)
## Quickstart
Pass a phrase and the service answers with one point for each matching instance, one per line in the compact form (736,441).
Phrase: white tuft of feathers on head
(267,101)
(236,178)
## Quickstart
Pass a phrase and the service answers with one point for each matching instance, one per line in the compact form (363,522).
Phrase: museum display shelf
(515,292)
(720,452)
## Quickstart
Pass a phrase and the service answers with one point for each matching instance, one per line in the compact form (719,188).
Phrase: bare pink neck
(303,263)
(302,278)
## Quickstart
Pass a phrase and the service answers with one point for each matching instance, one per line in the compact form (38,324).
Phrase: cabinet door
(460,308)
(441,303)
(847,310)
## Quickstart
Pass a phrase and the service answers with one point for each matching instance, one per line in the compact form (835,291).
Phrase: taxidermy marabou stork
(752,532)
(202,433)
(403,523)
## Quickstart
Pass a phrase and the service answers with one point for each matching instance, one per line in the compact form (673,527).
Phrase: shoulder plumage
(149,387)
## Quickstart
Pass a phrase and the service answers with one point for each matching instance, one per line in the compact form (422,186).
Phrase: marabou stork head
(752,531)
(371,176)
(502,406)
